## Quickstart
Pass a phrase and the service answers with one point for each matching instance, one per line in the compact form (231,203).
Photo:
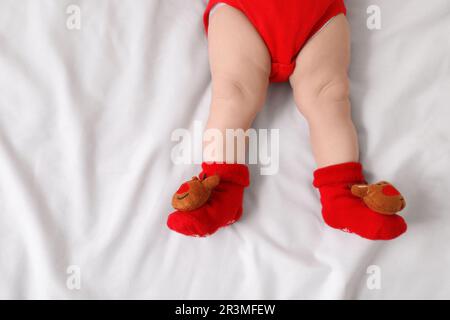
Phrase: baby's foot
(212,201)
(353,206)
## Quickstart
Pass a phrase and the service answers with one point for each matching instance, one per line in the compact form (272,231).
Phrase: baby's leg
(240,69)
(321,92)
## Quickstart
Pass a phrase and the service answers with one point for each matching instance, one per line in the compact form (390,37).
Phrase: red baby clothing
(224,206)
(284,25)
(343,210)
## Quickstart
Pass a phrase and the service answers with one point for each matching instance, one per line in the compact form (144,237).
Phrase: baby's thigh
(235,47)
(325,58)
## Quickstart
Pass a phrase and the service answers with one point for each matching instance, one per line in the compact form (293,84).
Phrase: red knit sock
(342,210)
(223,207)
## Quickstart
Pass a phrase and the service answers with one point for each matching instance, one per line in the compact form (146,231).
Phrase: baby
(305,42)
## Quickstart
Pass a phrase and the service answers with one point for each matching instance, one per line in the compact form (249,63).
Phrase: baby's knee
(323,95)
(235,92)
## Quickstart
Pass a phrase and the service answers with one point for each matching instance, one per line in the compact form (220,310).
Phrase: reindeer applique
(381,197)
(194,193)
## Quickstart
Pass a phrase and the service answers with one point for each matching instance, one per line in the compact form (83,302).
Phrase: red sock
(223,207)
(342,210)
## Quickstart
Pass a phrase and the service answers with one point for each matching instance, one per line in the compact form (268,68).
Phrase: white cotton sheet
(86,177)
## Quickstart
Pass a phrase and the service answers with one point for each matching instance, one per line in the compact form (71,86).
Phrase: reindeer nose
(183,188)
(390,191)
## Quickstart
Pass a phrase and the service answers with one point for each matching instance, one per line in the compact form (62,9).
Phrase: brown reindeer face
(381,197)
(194,193)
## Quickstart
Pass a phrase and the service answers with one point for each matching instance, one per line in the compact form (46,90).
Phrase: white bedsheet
(86,178)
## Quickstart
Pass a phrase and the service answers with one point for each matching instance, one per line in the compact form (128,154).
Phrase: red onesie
(284,25)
